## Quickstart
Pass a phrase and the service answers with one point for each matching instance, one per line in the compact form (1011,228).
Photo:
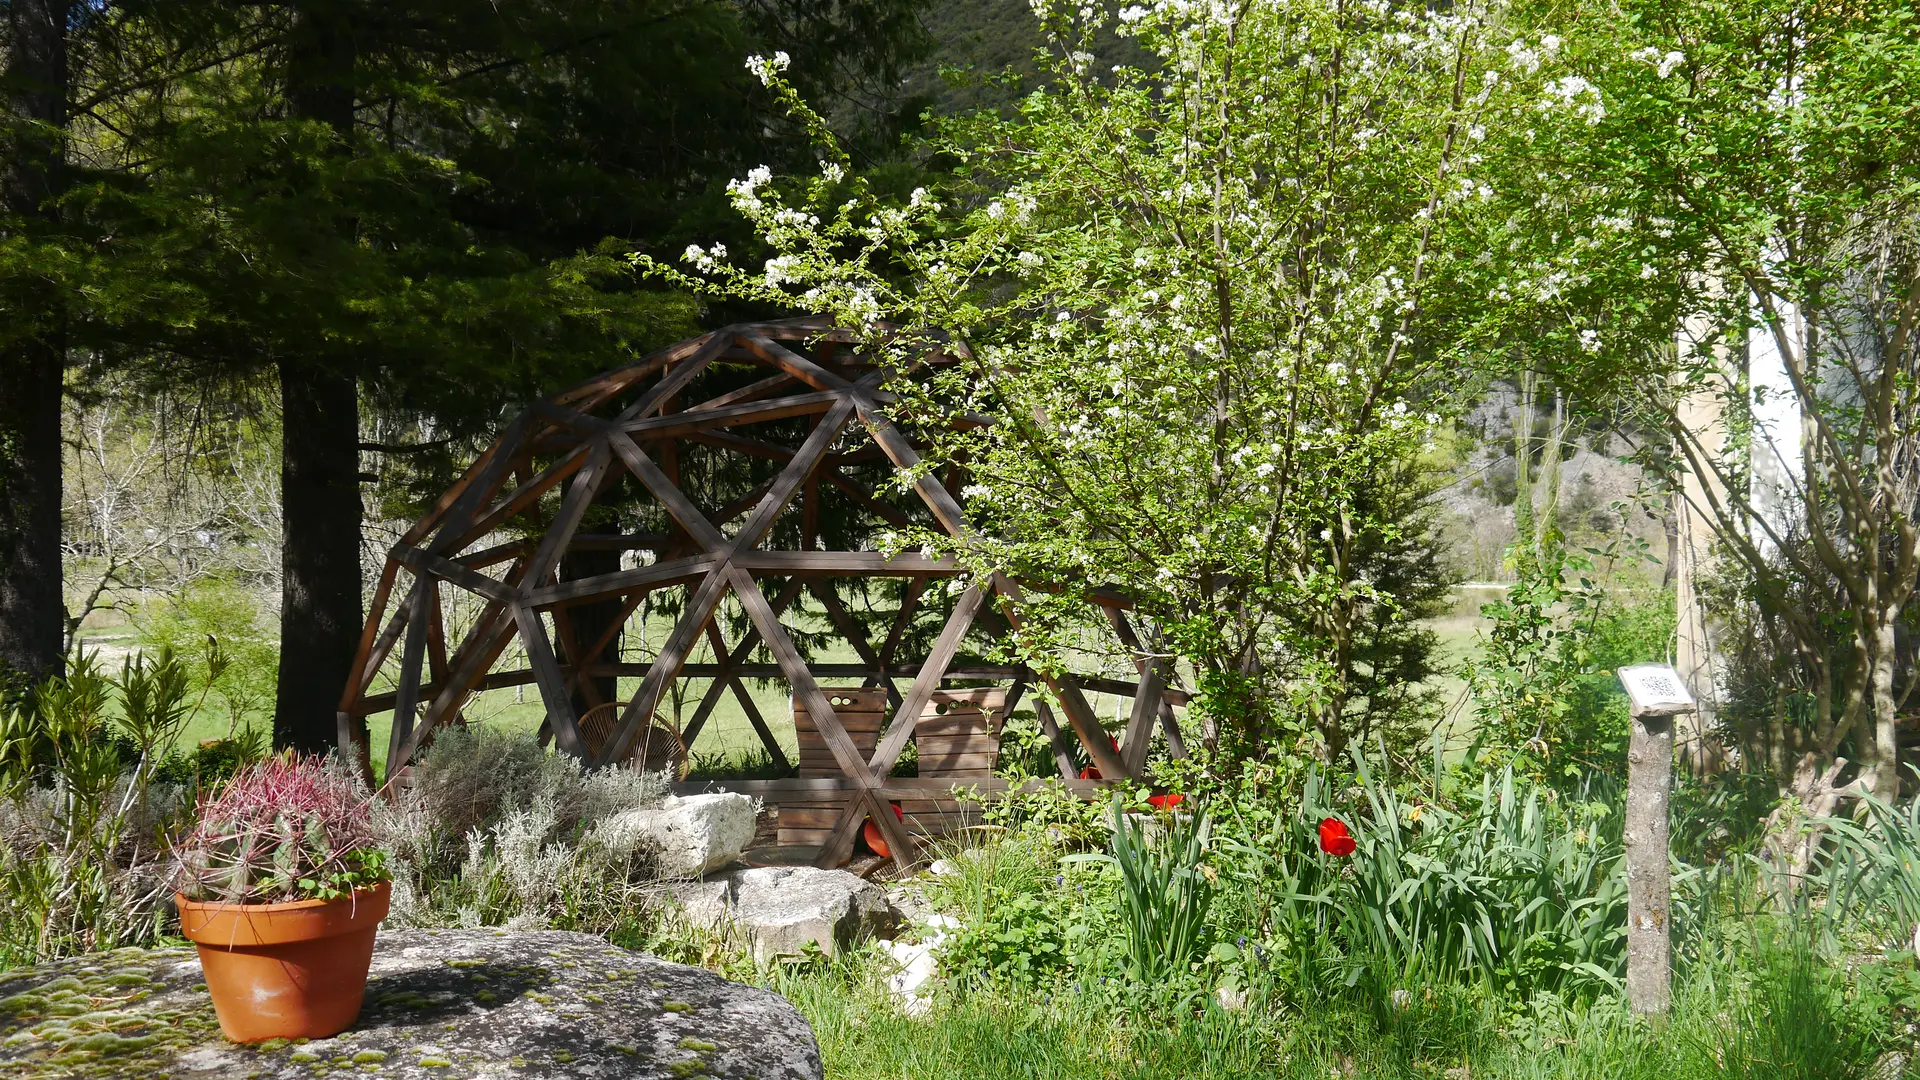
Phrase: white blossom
(765,69)
(779,270)
(1581,95)
(1523,58)
(1662,63)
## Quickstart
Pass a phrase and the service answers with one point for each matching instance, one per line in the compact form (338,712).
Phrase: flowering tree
(1747,172)
(1211,309)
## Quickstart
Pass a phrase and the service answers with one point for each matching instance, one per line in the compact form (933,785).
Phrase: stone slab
(441,1004)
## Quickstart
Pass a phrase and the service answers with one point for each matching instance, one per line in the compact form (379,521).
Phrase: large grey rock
(440,1004)
(779,909)
(690,835)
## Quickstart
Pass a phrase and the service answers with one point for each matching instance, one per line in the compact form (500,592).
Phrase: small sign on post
(1655,695)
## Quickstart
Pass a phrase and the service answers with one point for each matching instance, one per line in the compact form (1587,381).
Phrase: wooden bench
(957,736)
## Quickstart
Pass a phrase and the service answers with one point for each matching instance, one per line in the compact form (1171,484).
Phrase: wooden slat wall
(958,735)
(860,711)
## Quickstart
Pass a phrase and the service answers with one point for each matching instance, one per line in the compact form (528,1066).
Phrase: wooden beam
(360,669)
(616,541)
(1169,723)
(825,721)
(819,710)
(901,452)
(747,412)
(1056,739)
(424,562)
(1080,715)
(553,684)
(485,483)
(820,670)
(924,684)
(747,704)
(665,667)
(1100,684)
(843,621)
(902,619)
(1146,709)
(438,511)
(383,646)
(407,694)
(500,553)
(797,470)
(586,485)
(745,393)
(518,500)
(436,636)
(679,377)
(840,842)
(734,662)
(898,787)
(727,440)
(846,564)
(483,645)
(671,497)
(744,503)
(600,586)
(592,656)
(792,363)
(640,369)
(891,514)
(494,680)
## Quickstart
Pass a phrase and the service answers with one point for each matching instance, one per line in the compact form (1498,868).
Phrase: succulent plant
(286,828)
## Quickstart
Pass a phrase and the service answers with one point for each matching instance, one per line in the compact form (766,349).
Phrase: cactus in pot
(281,885)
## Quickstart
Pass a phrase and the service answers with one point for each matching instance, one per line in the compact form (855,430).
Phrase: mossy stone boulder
(441,1004)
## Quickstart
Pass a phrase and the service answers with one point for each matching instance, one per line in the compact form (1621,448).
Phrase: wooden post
(1655,696)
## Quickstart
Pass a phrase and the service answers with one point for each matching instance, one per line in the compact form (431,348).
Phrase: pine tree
(32,343)
(417,209)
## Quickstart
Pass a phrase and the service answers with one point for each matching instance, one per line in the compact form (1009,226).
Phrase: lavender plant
(283,829)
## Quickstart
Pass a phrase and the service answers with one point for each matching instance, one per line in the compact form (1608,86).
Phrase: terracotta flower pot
(286,971)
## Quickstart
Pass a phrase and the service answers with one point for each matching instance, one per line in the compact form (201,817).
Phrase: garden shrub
(498,830)
(84,821)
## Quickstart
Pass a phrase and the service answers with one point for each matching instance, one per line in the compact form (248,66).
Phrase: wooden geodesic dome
(748,463)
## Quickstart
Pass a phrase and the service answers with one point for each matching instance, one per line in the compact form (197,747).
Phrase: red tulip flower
(1166,801)
(1335,840)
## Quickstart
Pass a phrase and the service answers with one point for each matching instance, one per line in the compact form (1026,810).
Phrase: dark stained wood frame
(574,447)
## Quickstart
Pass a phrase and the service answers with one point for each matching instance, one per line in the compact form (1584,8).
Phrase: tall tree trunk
(320,609)
(588,622)
(32,608)
(320,601)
